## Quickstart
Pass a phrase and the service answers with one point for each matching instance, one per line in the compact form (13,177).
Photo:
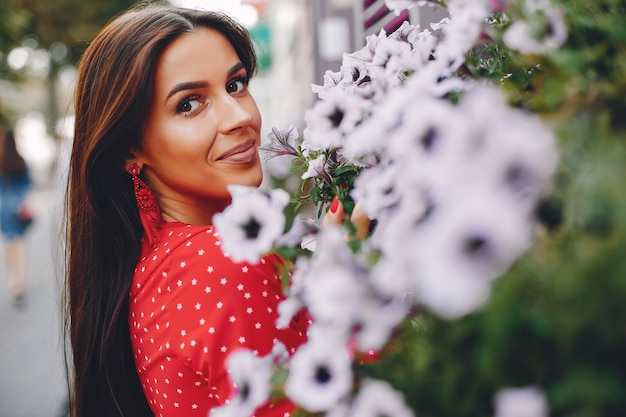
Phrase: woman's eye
(188,106)
(237,85)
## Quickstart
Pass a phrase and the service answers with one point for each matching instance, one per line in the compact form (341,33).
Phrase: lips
(243,153)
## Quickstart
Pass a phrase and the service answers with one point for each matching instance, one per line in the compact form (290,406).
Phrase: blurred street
(32,376)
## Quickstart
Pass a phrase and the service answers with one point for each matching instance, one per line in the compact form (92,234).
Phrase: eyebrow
(201,84)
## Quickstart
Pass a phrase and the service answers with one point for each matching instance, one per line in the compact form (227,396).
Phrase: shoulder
(180,237)
(187,248)
(192,245)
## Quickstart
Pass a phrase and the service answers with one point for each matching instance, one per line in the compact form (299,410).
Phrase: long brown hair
(103,229)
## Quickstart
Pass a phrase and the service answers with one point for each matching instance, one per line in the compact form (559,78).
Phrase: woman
(164,122)
(14,217)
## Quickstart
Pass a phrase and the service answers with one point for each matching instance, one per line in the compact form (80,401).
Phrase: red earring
(149,210)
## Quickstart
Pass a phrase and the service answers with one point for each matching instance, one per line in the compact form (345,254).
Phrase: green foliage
(52,24)
(12,25)
(72,22)
(557,319)
(337,180)
(588,72)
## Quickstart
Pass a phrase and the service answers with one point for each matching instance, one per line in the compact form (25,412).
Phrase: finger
(360,221)
(335,213)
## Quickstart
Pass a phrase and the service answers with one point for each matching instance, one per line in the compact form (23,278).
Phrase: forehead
(197,55)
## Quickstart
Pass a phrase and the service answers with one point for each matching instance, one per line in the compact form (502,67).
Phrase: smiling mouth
(242,153)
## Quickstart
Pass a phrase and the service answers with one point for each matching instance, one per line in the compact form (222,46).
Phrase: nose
(235,113)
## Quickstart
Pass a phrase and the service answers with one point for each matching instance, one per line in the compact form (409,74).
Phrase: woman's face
(202,129)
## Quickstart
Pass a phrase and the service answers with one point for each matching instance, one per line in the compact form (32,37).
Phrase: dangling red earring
(149,210)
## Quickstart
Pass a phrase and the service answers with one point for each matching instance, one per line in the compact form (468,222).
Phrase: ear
(134,157)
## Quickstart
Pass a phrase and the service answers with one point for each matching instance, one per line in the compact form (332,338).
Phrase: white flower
(316,168)
(456,168)
(460,34)
(320,374)
(537,36)
(332,248)
(441,24)
(389,61)
(471,238)
(367,142)
(528,401)
(288,308)
(282,142)
(395,118)
(405,32)
(358,82)
(330,119)
(330,283)
(375,189)
(424,43)
(252,223)
(334,294)
(251,376)
(364,55)
(377,319)
(378,398)
(340,410)
(309,242)
(351,79)
(513,151)
(424,130)
(331,80)
(480,141)
(300,228)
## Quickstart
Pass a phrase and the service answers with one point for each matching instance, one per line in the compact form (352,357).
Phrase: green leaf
(316,195)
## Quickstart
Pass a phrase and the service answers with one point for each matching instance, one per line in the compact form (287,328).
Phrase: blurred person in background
(15,217)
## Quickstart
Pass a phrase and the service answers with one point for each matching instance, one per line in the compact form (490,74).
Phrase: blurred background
(40,44)
(297,41)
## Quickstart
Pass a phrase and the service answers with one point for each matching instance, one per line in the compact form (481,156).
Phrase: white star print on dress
(189,311)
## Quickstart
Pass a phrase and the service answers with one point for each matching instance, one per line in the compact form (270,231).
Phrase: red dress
(190,307)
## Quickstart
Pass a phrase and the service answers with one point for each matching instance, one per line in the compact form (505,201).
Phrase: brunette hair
(102,224)
(11,162)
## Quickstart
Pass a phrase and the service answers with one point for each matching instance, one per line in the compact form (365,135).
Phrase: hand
(358,218)
(360,221)
(335,214)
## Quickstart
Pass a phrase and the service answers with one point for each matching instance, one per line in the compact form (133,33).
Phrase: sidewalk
(32,372)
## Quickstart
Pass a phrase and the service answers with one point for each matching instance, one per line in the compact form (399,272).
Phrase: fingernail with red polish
(334,205)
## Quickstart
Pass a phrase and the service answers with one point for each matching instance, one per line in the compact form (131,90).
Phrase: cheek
(181,140)
(253,110)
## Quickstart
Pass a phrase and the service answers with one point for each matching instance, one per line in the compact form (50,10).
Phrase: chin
(258,181)
(259,175)
(254,179)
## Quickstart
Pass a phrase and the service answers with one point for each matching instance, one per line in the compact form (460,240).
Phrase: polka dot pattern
(190,307)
